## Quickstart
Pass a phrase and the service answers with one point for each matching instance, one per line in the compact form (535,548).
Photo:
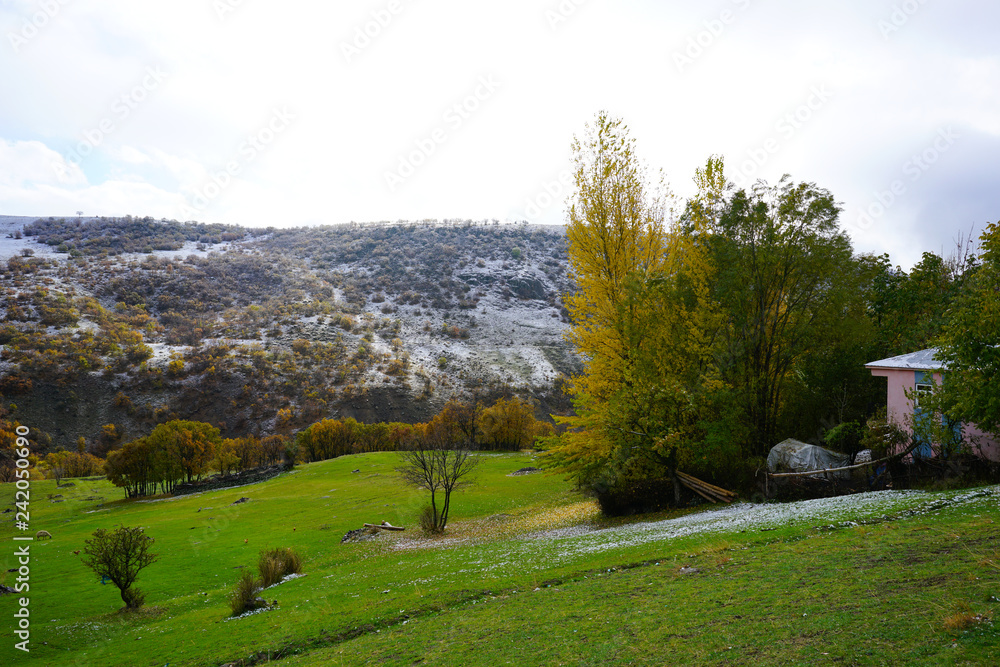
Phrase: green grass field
(527,574)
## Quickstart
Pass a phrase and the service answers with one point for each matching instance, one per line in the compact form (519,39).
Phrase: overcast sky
(261,112)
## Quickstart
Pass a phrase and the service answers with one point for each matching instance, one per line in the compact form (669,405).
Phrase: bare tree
(431,464)
(119,555)
(58,470)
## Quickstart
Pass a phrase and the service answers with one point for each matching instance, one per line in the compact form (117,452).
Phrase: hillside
(134,321)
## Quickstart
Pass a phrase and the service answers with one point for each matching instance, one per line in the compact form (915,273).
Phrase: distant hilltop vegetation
(109,326)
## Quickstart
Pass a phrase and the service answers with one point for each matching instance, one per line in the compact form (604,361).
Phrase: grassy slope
(875,594)
(865,596)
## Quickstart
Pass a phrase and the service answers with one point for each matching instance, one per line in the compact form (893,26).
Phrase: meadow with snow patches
(528,573)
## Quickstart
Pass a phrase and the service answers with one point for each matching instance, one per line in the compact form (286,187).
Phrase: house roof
(924,360)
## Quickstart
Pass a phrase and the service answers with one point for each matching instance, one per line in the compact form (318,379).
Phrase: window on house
(923,390)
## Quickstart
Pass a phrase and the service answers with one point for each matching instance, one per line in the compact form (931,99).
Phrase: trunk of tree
(434,513)
(444,510)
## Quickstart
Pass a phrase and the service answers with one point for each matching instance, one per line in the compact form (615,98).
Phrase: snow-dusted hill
(380,322)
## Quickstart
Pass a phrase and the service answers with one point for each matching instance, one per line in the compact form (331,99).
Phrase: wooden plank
(706,497)
(710,488)
(704,493)
(381,527)
(706,485)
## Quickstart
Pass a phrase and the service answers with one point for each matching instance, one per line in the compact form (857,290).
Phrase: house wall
(983,442)
(899,408)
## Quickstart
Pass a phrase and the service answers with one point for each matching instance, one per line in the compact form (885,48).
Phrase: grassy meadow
(527,574)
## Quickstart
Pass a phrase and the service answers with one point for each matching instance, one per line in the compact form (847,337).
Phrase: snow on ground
(10,247)
(86,326)
(543,549)
(162,353)
(747,517)
(189,248)
(505,343)
(250,343)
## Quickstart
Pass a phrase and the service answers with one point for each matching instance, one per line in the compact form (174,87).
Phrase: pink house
(913,373)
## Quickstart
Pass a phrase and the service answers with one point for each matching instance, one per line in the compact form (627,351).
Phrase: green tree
(120,555)
(708,337)
(173,452)
(969,346)
(909,309)
(782,261)
(191,444)
(830,384)
(138,467)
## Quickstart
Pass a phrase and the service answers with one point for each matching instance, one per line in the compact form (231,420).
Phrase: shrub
(291,562)
(123,402)
(636,486)
(844,438)
(623,497)
(269,569)
(882,435)
(243,597)
(427,519)
(275,564)
(133,597)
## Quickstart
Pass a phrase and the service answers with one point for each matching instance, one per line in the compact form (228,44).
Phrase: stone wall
(218,482)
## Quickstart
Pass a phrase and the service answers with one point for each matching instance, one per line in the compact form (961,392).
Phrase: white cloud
(131,155)
(35,180)
(27,163)
(110,198)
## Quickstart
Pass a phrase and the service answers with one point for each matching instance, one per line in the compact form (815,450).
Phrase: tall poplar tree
(642,316)
(616,236)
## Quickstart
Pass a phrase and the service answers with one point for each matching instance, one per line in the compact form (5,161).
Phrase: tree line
(184,451)
(508,425)
(743,318)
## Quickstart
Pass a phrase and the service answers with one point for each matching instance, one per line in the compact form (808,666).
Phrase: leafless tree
(119,555)
(432,465)
(58,470)
(965,255)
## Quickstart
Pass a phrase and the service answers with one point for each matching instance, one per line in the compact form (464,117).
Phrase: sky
(259,112)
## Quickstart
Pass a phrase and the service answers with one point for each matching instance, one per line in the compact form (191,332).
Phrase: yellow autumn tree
(509,425)
(616,235)
(643,318)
